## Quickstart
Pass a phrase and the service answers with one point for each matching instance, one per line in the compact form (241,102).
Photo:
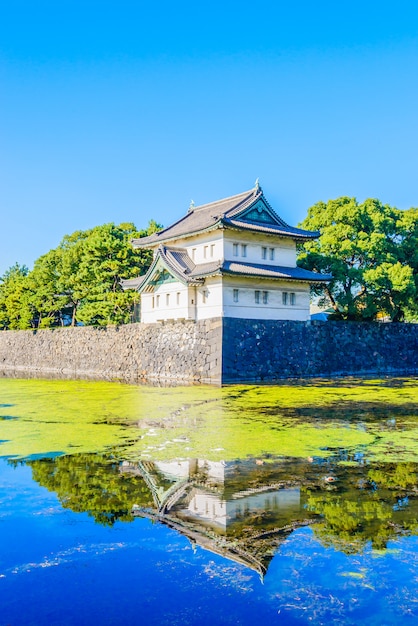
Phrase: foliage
(371,251)
(370,508)
(14,306)
(93,483)
(79,281)
(370,418)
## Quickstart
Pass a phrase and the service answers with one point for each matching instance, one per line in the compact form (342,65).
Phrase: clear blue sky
(126,110)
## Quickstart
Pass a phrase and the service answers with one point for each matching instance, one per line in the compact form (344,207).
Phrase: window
(153,302)
(212,249)
(178,298)
(265,297)
(167,299)
(235,249)
(257,297)
(288,298)
(204,296)
(243,249)
(157,301)
(264,253)
(205,252)
(271,254)
(235,295)
(193,253)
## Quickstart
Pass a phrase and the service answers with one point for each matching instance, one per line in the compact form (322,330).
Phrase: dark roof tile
(224,213)
(181,265)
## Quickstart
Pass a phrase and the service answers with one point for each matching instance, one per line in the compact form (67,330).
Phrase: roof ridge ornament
(257,185)
(191,206)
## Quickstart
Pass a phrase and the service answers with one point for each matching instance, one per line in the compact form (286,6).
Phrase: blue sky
(125,111)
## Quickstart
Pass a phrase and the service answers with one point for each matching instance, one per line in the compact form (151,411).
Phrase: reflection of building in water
(236,509)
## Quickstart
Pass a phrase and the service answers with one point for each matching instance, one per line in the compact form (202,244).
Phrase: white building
(231,258)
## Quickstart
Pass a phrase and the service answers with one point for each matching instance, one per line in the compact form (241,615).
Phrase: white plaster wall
(208,507)
(161,309)
(284,249)
(203,248)
(220,300)
(275,309)
(212,307)
(218,244)
(174,469)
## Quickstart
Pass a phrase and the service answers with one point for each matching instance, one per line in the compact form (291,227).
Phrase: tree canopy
(371,250)
(79,281)
(93,483)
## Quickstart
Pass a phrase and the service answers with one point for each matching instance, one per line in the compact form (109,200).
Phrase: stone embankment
(178,352)
(268,350)
(213,351)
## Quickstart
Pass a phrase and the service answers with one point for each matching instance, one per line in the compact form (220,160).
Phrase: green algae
(374,418)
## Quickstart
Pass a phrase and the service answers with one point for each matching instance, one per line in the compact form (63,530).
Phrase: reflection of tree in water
(366,505)
(243,509)
(92,483)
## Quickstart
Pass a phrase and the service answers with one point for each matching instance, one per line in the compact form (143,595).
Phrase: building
(230,258)
(238,509)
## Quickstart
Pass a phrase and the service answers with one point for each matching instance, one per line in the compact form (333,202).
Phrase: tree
(15,311)
(371,251)
(80,280)
(107,258)
(93,483)
(44,298)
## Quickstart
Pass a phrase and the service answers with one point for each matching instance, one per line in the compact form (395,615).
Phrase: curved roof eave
(289,279)
(154,244)
(299,235)
(160,258)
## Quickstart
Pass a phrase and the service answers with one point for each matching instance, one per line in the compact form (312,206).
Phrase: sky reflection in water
(124,530)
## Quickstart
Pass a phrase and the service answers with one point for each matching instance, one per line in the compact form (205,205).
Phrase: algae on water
(375,419)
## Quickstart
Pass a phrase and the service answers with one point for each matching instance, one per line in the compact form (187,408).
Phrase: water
(293,504)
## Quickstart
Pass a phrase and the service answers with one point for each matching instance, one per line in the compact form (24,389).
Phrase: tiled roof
(182,267)
(132,283)
(179,262)
(273,271)
(286,231)
(224,213)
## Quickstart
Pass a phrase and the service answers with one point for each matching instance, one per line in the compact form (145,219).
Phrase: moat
(286,504)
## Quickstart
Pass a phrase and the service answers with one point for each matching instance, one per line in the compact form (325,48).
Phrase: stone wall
(175,352)
(268,350)
(185,352)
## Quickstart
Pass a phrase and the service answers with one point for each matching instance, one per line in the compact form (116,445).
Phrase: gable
(259,213)
(157,275)
(161,277)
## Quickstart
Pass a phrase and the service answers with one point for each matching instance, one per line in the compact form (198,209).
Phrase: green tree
(46,302)
(107,258)
(370,250)
(79,280)
(408,226)
(92,264)
(93,484)
(15,310)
